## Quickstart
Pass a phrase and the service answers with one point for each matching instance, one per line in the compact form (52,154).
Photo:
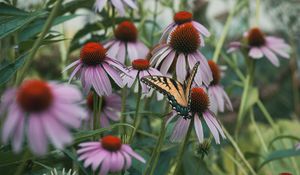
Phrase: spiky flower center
(92,53)
(90,101)
(256,37)
(199,100)
(140,64)
(215,72)
(185,39)
(34,96)
(126,31)
(183,17)
(111,143)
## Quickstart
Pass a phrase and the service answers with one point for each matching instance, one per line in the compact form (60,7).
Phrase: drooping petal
(132,51)
(99,160)
(198,128)
(180,129)
(181,68)
(211,127)
(18,135)
(270,55)
(255,53)
(13,116)
(122,53)
(203,30)
(105,165)
(128,150)
(99,5)
(114,75)
(72,65)
(119,6)
(36,135)
(165,33)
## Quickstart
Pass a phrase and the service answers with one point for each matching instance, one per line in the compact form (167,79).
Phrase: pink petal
(127,160)
(119,6)
(105,165)
(100,157)
(270,55)
(201,29)
(181,68)
(180,129)
(99,5)
(255,53)
(128,150)
(167,63)
(18,135)
(132,51)
(13,117)
(37,136)
(122,53)
(114,75)
(198,128)
(131,4)
(211,127)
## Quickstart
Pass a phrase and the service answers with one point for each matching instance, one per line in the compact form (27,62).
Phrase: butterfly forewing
(190,81)
(170,87)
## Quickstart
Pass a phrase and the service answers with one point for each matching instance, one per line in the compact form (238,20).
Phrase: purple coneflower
(109,154)
(126,35)
(42,111)
(260,45)
(118,4)
(200,108)
(182,18)
(181,52)
(110,108)
(139,69)
(217,95)
(92,69)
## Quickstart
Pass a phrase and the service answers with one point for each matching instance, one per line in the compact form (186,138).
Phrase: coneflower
(259,45)
(126,39)
(94,69)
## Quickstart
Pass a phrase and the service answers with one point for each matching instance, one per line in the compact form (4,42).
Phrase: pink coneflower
(184,17)
(126,35)
(181,52)
(110,108)
(139,69)
(200,109)
(92,69)
(118,4)
(260,45)
(109,155)
(42,111)
(216,92)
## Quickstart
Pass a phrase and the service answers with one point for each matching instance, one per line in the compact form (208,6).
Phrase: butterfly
(178,94)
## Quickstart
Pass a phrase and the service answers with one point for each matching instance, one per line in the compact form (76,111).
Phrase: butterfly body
(178,94)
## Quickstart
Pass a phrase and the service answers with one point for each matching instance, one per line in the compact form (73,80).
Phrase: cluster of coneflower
(45,112)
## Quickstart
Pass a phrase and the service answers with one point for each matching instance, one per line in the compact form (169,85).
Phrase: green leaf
(6,72)
(284,137)
(72,156)
(253,97)
(280,154)
(8,10)
(194,165)
(37,26)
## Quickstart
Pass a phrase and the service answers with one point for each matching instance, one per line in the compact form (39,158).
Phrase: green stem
(123,110)
(154,19)
(183,148)
(137,119)
(239,152)
(38,42)
(20,169)
(236,162)
(113,18)
(245,96)
(257,13)
(156,152)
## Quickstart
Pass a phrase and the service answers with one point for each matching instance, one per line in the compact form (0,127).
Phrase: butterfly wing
(173,89)
(190,81)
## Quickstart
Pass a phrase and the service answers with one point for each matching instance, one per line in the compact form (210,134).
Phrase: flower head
(218,96)
(184,17)
(126,39)
(181,52)
(46,110)
(260,45)
(94,69)
(201,113)
(119,5)
(139,69)
(109,153)
(110,108)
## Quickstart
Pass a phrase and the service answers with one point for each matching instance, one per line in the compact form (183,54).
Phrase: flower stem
(257,13)
(183,148)
(248,83)
(123,110)
(239,152)
(38,42)
(156,152)
(137,119)
(23,163)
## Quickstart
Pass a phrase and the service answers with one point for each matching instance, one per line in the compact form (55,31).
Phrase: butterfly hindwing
(172,89)
(177,94)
